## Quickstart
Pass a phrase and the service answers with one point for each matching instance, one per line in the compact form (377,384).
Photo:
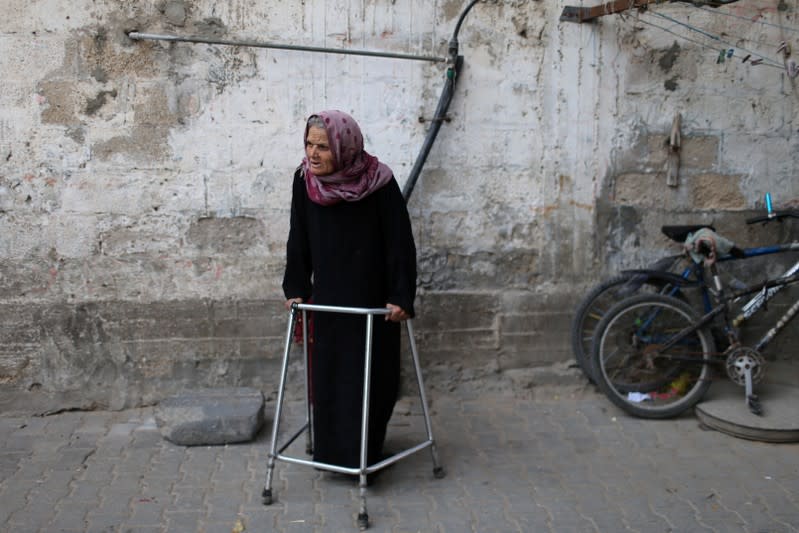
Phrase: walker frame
(276,451)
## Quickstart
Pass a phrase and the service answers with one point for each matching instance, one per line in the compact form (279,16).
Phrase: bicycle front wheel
(650,359)
(597,302)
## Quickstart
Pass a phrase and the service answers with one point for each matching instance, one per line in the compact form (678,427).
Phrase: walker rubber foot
(439,473)
(266,497)
(363,521)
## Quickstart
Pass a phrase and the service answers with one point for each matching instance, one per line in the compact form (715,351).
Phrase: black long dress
(354,254)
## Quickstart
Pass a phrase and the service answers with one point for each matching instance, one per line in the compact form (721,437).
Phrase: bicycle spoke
(649,360)
(596,305)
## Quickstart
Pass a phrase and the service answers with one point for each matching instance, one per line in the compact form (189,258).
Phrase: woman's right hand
(292,301)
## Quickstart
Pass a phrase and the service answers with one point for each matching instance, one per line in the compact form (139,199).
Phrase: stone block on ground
(211,416)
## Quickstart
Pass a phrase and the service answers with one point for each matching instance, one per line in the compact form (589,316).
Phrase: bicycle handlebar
(775,215)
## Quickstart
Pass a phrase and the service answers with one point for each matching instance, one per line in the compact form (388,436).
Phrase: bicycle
(660,279)
(653,355)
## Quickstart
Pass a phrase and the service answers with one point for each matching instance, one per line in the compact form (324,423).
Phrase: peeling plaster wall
(144,186)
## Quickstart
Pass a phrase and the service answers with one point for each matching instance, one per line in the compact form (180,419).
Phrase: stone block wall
(144,186)
(116,354)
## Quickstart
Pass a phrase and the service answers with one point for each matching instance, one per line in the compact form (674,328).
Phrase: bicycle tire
(596,303)
(635,373)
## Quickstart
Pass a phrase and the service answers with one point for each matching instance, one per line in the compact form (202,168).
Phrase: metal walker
(276,452)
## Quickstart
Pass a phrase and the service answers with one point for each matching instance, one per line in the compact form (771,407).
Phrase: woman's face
(318,152)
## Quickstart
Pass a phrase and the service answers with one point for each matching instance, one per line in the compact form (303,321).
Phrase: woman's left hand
(396,313)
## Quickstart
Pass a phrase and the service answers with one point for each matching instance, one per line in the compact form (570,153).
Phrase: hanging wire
(717,38)
(685,24)
(740,38)
(748,20)
(710,3)
(667,30)
(701,6)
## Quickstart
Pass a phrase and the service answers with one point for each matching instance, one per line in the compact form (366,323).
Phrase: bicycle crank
(743,360)
(745,366)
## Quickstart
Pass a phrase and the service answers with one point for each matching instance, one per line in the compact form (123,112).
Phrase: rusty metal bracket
(587,14)
(445,118)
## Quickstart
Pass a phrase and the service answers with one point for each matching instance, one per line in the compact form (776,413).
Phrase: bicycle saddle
(680,233)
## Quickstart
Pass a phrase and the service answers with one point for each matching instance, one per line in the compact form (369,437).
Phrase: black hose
(454,40)
(441,111)
(456,61)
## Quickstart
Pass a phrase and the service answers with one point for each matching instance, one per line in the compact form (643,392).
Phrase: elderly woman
(350,244)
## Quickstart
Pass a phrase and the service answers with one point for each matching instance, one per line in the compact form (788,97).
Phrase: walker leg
(438,470)
(266,494)
(308,403)
(308,443)
(363,516)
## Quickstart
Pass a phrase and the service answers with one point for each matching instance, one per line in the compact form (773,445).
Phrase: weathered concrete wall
(144,186)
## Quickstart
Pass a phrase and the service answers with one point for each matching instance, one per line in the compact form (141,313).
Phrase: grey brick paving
(513,465)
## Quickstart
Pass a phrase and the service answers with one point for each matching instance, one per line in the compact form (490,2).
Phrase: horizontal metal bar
(292,438)
(355,471)
(139,36)
(321,466)
(337,309)
(401,455)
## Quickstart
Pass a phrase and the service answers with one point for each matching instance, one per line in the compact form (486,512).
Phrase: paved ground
(564,460)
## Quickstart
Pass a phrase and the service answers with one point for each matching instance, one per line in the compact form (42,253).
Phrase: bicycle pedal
(754,405)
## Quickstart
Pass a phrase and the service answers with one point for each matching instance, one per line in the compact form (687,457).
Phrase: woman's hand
(292,301)
(396,313)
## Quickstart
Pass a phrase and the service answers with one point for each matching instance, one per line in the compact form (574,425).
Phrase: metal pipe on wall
(455,62)
(139,36)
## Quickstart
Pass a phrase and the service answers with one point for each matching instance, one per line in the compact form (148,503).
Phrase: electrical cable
(667,30)
(766,60)
(701,6)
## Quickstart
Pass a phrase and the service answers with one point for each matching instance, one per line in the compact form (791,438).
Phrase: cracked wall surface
(144,186)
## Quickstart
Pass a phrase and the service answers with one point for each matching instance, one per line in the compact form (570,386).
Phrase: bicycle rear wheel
(634,368)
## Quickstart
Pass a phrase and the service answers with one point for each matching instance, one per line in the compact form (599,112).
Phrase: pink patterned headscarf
(357,174)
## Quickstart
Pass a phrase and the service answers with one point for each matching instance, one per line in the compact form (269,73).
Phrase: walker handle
(340,309)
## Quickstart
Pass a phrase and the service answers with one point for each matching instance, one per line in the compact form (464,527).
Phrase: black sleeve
(399,248)
(297,277)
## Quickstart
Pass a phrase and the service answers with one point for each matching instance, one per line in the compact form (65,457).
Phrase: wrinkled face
(318,152)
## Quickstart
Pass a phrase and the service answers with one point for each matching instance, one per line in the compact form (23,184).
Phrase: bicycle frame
(693,276)
(760,299)
(764,289)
